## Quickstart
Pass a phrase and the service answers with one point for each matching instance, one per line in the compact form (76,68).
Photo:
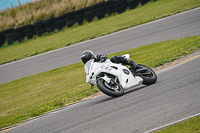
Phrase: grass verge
(34,95)
(188,126)
(39,10)
(142,14)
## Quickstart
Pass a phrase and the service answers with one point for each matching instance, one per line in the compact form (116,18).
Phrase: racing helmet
(86,56)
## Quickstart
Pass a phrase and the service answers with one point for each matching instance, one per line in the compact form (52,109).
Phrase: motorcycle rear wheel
(115,90)
(148,75)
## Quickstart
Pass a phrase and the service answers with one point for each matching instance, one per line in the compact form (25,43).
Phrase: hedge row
(39,28)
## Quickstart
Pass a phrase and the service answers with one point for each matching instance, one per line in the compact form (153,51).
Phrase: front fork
(111,80)
(107,79)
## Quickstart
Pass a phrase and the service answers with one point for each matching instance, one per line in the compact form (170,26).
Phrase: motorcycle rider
(88,55)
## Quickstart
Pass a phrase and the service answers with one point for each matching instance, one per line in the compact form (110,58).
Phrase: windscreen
(87,66)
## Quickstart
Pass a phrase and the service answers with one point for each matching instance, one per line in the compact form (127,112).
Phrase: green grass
(188,126)
(142,14)
(34,95)
(39,10)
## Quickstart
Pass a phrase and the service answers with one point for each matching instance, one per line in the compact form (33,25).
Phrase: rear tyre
(148,75)
(113,90)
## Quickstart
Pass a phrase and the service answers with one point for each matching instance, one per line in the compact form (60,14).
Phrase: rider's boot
(133,67)
(133,64)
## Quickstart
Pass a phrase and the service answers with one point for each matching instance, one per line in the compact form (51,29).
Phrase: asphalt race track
(177,26)
(176,95)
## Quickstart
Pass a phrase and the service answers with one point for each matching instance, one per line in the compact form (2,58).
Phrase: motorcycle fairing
(126,80)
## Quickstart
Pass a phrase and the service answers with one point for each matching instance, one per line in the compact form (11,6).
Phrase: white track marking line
(172,123)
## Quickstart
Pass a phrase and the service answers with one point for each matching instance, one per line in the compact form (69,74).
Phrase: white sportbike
(113,79)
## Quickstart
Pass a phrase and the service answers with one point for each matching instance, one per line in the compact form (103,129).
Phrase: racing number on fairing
(107,68)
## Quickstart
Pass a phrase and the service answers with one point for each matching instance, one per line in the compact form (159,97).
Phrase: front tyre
(111,89)
(148,75)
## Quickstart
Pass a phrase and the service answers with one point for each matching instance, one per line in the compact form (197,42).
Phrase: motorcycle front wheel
(110,89)
(148,75)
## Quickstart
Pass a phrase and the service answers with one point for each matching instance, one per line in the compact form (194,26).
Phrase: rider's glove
(103,58)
